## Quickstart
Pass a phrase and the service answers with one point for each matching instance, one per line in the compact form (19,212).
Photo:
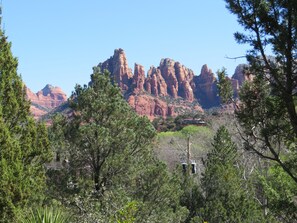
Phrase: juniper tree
(24,146)
(267,111)
(110,159)
(104,132)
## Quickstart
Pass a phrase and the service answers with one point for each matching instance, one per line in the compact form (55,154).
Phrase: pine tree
(104,133)
(116,175)
(24,143)
(267,111)
(227,195)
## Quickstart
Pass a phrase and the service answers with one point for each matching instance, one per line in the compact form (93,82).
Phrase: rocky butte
(45,100)
(169,89)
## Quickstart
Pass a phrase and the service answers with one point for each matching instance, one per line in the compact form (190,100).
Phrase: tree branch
(234,58)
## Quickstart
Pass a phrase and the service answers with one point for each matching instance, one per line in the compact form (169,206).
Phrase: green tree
(57,137)
(192,197)
(24,146)
(280,191)
(224,87)
(112,174)
(59,174)
(267,111)
(158,194)
(227,196)
(104,133)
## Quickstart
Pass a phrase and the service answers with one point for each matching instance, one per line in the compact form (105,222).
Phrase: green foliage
(267,111)
(24,145)
(227,195)
(127,213)
(112,175)
(267,127)
(104,132)
(164,125)
(57,136)
(186,131)
(174,124)
(281,194)
(192,198)
(159,192)
(192,130)
(171,146)
(47,215)
(224,150)
(224,86)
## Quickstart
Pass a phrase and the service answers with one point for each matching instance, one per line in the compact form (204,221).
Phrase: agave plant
(47,215)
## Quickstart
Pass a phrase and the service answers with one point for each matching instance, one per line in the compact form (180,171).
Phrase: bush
(47,215)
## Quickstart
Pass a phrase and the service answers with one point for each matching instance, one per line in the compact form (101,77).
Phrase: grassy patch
(171,147)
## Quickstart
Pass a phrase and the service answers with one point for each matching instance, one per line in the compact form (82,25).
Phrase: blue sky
(59,41)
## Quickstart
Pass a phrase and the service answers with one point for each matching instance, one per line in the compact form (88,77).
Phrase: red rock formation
(168,72)
(206,89)
(30,95)
(149,106)
(170,78)
(138,78)
(37,112)
(45,100)
(50,97)
(155,83)
(187,92)
(241,74)
(185,77)
(119,69)
(168,90)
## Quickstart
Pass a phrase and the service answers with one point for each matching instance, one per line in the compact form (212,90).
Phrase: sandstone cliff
(154,94)
(117,65)
(169,89)
(206,88)
(45,100)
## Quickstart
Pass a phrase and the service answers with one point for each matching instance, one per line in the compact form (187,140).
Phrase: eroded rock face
(185,79)
(117,65)
(171,80)
(177,78)
(45,100)
(167,90)
(138,78)
(155,84)
(168,72)
(50,97)
(149,106)
(206,89)
(241,74)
